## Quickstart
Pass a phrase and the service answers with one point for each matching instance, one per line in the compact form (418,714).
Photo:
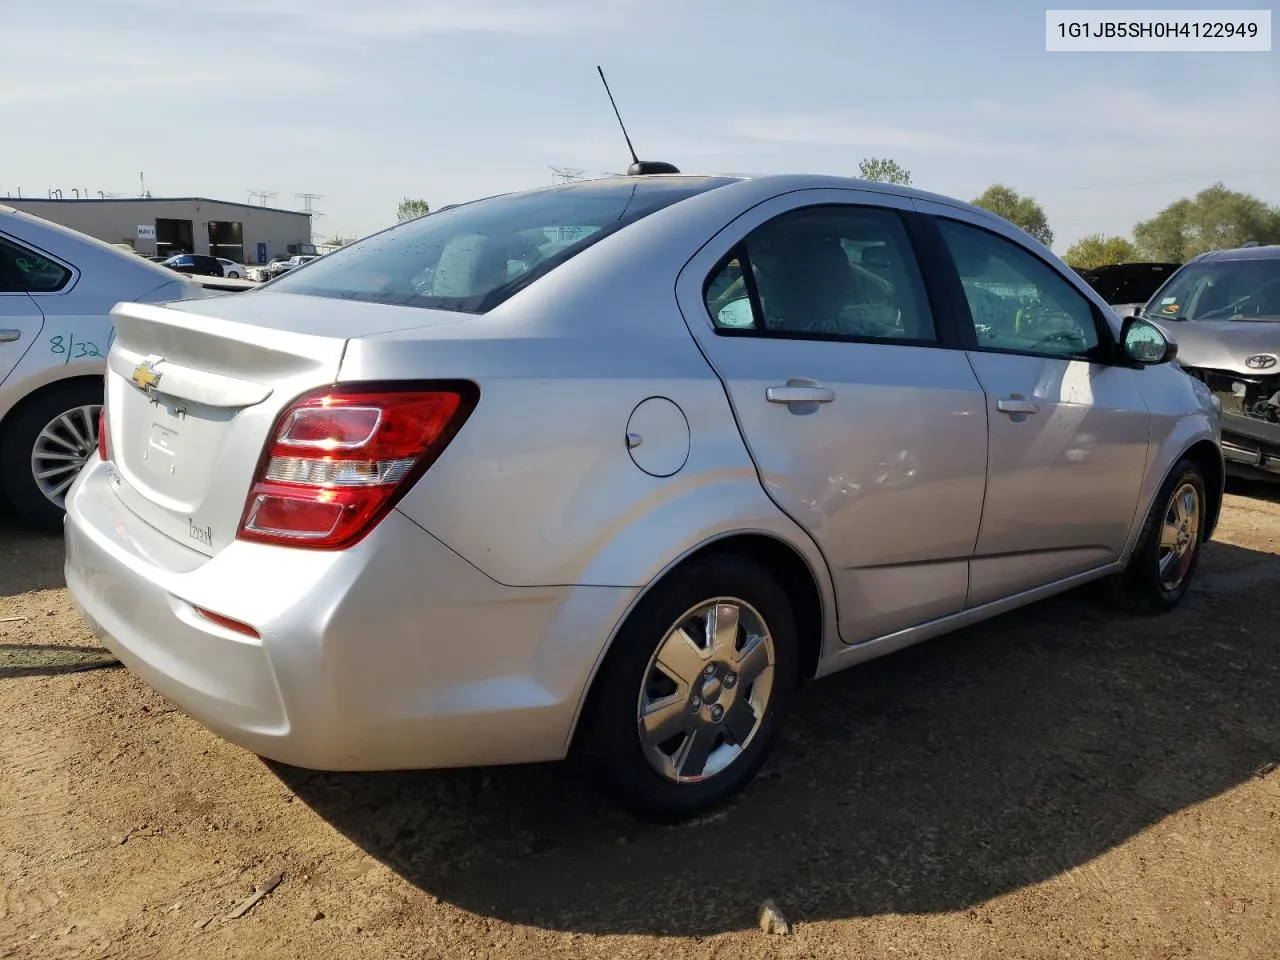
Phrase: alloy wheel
(1179,536)
(62,448)
(706,690)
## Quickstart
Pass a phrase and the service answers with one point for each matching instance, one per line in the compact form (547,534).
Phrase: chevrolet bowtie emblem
(145,377)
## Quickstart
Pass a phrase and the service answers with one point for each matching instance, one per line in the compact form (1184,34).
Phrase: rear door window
(840,271)
(23,270)
(474,256)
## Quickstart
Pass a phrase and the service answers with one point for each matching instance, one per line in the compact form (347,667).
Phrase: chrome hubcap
(61,449)
(706,690)
(1179,534)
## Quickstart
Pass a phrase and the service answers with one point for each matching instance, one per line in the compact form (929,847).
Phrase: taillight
(102,433)
(338,459)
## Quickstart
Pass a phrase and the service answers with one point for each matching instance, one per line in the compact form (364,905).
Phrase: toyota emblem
(1261,361)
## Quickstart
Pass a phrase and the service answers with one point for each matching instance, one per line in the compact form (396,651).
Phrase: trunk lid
(193,389)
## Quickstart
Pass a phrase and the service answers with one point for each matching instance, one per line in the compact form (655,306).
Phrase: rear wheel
(689,700)
(44,445)
(1168,551)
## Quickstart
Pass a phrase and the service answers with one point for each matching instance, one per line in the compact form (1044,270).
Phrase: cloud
(843,129)
(96,63)
(345,20)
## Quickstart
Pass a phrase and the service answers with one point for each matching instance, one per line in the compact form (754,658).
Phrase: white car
(284,266)
(57,287)
(232,269)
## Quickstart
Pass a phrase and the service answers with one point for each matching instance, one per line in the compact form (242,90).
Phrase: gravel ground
(1062,782)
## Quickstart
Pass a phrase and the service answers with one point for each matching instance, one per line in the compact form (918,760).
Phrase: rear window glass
(470,258)
(1128,283)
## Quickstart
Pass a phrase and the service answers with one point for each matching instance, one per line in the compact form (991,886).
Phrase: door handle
(797,394)
(1017,405)
(8,336)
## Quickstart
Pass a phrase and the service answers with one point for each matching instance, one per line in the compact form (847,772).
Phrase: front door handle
(1016,404)
(799,394)
(8,336)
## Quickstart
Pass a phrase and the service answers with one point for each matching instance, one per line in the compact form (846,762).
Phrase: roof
(785,182)
(226,203)
(1263,252)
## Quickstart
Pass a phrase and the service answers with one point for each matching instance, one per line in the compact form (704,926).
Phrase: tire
(703,702)
(80,400)
(1142,586)
(233,275)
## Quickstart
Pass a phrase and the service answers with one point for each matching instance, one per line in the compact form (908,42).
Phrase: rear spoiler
(222,283)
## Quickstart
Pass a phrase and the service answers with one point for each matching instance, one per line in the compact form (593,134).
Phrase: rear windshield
(1128,283)
(470,258)
(1220,290)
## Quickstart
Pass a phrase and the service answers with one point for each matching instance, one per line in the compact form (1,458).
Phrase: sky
(369,101)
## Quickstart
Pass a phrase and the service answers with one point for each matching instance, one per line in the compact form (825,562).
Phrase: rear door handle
(1017,405)
(8,336)
(794,394)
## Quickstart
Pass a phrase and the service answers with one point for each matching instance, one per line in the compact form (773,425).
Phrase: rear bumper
(395,654)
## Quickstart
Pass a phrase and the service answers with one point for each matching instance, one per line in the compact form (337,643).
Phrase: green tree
(338,241)
(1214,219)
(1097,250)
(884,170)
(1021,211)
(409,209)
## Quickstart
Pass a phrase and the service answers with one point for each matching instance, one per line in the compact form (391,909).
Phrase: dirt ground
(1062,782)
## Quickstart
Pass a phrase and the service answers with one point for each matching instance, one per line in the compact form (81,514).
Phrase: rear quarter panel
(539,488)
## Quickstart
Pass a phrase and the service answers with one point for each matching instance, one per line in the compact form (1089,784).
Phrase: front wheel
(691,696)
(1168,551)
(44,444)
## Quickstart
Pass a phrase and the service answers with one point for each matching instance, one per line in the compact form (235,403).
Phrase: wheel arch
(1208,457)
(801,583)
(52,386)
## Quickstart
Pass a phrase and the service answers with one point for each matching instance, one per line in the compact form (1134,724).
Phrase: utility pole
(313,214)
(262,196)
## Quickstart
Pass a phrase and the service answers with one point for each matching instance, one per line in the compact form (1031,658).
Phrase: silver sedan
(57,287)
(605,471)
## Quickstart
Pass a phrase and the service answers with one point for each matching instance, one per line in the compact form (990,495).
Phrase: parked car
(230,268)
(1223,308)
(258,273)
(1127,286)
(56,288)
(277,267)
(642,455)
(196,263)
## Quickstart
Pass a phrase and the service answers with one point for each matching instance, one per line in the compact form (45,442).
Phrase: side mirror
(1145,344)
(736,315)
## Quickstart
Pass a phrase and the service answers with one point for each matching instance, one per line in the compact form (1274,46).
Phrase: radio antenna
(634,158)
(638,167)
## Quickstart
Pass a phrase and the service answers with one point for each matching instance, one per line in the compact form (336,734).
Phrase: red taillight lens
(102,433)
(338,460)
(227,623)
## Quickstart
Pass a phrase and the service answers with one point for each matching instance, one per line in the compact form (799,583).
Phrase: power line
(566,174)
(262,196)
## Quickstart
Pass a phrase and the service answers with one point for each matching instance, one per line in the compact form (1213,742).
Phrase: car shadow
(46,660)
(29,559)
(927,781)
(1257,489)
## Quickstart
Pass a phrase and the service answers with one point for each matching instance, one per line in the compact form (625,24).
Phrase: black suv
(195,263)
